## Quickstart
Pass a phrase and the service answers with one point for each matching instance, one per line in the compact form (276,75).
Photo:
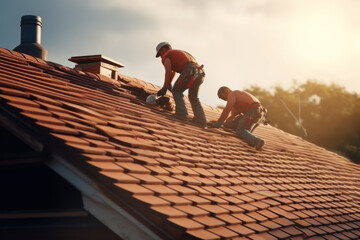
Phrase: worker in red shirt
(245,112)
(191,77)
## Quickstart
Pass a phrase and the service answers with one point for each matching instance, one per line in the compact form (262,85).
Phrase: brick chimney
(31,37)
(97,64)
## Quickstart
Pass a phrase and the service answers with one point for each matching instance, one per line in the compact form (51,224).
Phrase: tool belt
(259,113)
(192,71)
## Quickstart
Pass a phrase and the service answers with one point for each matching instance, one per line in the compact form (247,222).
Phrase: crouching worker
(191,77)
(246,113)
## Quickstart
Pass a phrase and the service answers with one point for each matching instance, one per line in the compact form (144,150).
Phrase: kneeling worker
(246,112)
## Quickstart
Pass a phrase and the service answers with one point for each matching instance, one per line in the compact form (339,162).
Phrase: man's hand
(161,92)
(216,125)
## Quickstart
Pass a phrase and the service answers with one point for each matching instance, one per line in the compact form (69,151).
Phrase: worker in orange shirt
(245,111)
(191,77)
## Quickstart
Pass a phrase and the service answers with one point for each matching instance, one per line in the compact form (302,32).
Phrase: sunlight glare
(318,38)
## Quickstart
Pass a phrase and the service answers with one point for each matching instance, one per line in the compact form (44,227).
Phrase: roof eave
(101,206)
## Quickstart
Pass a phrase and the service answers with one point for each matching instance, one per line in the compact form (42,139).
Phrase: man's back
(243,101)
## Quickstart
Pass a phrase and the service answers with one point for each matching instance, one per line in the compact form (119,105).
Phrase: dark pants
(244,125)
(191,78)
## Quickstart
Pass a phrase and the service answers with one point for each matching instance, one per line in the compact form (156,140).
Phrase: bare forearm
(223,115)
(169,75)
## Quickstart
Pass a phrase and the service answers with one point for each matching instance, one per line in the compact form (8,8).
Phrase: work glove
(216,125)
(161,92)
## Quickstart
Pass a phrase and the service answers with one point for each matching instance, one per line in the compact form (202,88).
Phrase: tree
(326,115)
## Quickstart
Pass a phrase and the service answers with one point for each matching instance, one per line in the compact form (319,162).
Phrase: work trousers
(244,125)
(190,78)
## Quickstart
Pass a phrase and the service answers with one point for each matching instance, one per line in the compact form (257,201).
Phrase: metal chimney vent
(31,37)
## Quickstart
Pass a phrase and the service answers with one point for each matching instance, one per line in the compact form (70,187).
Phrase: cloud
(241,43)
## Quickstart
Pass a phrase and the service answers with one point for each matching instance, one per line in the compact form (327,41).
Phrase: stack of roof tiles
(182,181)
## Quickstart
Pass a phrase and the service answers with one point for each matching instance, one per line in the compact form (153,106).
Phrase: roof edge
(99,205)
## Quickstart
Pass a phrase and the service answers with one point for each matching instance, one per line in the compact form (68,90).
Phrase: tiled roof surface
(182,181)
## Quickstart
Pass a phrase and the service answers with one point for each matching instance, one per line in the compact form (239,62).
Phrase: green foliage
(326,115)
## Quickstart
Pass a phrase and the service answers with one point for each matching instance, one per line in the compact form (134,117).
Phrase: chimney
(31,37)
(97,64)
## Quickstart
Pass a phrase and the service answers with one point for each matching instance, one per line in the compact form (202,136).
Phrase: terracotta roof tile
(203,234)
(192,210)
(223,232)
(262,236)
(188,182)
(241,229)
(175,200)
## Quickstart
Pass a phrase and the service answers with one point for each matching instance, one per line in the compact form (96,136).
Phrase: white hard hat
(151,99)
(159,46)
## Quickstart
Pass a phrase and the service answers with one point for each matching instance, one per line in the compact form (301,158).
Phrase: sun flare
(318,38)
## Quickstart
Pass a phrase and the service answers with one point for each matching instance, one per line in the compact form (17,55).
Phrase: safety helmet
(159,46)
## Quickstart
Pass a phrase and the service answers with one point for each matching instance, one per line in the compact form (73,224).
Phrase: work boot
(184,118)
(259,144)
(198,123)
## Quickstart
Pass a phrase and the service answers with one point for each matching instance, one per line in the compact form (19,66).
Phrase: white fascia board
(100,206)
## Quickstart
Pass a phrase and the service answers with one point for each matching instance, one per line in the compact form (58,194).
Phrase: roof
(140,169)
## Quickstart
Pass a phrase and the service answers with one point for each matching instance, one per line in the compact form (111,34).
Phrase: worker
(191,77)
(245,113)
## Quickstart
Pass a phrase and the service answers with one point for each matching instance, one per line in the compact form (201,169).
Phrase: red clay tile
(187,180)
(241,229)
(133,188)
(145,160)
(256,227)
(220,181)
(192,210)
(85,149)
(151,200)
(205,181)
(283,221)
(214,191)
(175,200)
(196,200)
(223,232)
(215,200)
(248,207)
(201,234)
(159,190)
(120,177)
(262,236)
(243,217)
(228,219)
(58,128)
(70,139)
(257,216)
(209,222)
(232,200)
(146,178)
(133,167)
(233,208)
(106,166)
(240,189)
(270,224)
(144,152)
(182,190)
(168,211)
(213,209)
(169,180)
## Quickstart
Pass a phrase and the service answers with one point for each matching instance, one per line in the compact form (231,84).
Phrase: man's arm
(230,104)
(169,73)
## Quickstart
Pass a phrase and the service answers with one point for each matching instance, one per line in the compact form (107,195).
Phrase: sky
(266,43)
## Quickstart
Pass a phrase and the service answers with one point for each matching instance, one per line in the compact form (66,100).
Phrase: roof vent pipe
(31,37)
